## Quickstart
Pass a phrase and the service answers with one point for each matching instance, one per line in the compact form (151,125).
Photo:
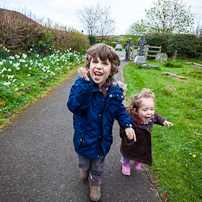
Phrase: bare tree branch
(97,21)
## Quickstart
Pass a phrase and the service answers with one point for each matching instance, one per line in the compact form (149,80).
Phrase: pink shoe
(137,165)
(125,167)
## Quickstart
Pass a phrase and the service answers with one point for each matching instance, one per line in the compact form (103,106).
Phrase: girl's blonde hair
(104,52)
(135,100)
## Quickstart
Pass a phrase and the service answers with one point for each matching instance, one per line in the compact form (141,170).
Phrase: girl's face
(100,70)
(146,110)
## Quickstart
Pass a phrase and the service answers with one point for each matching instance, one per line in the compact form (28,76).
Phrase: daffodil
(194,155)
(24,56)
(2,102)
(190,153)
(6,83)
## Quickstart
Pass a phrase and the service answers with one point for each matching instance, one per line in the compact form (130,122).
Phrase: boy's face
(100,70)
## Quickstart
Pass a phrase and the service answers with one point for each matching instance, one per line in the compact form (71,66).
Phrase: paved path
(38,161)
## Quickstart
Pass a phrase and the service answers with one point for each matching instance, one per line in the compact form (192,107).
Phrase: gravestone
(128,49)
(140,59)
(162,57)
(141,41)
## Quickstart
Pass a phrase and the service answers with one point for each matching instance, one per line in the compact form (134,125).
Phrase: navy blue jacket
(94,115)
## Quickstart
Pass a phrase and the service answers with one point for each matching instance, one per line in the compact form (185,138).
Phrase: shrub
(187,45)
(92,39)
(20,33)
(169,64)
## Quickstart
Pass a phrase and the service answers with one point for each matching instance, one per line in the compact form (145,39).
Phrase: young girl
(96,101)
(142,112)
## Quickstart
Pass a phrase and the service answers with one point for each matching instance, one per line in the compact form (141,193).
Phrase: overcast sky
(65,12)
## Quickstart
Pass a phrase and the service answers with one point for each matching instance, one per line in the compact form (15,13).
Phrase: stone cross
(141,41)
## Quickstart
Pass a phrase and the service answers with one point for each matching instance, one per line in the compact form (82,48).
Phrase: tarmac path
(38,161)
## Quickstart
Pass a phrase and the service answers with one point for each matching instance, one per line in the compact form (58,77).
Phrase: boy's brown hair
(104,52)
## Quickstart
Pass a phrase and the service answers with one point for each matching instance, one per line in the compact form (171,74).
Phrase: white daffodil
(6,83)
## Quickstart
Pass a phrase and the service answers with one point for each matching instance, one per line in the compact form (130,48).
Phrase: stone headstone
(162,57)
(141,41)
(140,60)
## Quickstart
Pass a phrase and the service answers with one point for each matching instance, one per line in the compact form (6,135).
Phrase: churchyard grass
(23,78)
(177,163)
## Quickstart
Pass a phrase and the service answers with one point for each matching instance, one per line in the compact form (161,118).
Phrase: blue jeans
(95,166)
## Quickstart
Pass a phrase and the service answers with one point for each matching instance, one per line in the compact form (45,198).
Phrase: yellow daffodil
(2,102)
(197,89)
(190,153)
(194,155)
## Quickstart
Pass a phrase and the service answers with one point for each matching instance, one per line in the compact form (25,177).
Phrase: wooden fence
(148,51)
(151,51)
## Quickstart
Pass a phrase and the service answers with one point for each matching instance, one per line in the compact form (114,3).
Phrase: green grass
(23,78)
(177,150)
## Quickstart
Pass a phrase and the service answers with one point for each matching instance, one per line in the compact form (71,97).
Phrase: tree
(170,16)
(106,24)
(97,21)
(198,30)
(89,17)
(136,30)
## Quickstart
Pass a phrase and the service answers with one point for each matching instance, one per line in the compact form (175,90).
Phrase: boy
(96,100)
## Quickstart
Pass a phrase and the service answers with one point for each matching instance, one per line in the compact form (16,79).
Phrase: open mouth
(147,119)
(98,74)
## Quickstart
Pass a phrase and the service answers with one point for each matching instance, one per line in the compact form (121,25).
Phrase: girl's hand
(130,133)
(85,76)
(167,123)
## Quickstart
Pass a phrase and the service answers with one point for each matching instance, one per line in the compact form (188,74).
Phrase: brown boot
(84,175)
(95,192)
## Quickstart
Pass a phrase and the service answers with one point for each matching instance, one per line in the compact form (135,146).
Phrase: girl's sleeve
(122,133)
(159,119)
(80,95)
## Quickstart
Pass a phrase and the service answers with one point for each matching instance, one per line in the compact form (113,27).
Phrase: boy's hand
(130,133)
(167,123)
(85,76)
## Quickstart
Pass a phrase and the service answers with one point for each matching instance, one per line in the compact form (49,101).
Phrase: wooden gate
(151,51)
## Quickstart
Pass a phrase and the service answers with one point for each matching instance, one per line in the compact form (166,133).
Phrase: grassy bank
(177,150)
(23,78)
